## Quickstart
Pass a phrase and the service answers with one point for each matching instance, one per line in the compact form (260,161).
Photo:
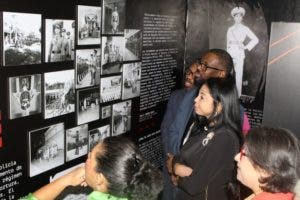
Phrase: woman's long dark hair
(128,174)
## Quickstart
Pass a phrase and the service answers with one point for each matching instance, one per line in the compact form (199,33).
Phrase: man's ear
(222,74)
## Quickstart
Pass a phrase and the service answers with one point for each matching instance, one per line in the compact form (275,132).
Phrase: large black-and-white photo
(105,112)
(113,16)
(76,142)
(131,84)
(25,96)
(112,54)
(88,108)
(110,88)
(87,67)
(46,148)
(97,135)
(121,117)
(21,38)
(133,44)
(89,25)
(59,40)
(59,93)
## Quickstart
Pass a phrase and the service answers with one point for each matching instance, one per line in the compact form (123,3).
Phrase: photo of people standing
(113,16)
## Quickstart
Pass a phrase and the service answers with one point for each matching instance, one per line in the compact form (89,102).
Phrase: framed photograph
(131,84)
(105,112)
(97,135)
(121,117)
(112,54)
(46,148)
(59,40)
(113,16)
(76,142)
(110,88)
(88,25)
(25,96)
(59,97)
(88,108)
(87,67)
(21,38)
(133,44)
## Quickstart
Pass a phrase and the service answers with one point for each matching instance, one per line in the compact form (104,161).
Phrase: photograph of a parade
(110,88)
(21,38)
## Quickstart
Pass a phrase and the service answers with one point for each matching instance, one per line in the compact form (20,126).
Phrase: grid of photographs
(46,148)
(121,117)
(97,135)
(21,38)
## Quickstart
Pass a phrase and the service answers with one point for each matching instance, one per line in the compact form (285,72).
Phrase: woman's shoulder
(227,136)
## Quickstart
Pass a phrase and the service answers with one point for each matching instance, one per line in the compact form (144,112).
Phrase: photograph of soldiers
(236,43)
(112,54)
(110,88)
(87,67)
(59,40)
(21,38)
(113,16)
(97,135)
(59,93)
(133,44)
(131,83)
(121,117)
(46,148)
(88,108)
(25,96)
(76,142)
(89,25)
(105,112)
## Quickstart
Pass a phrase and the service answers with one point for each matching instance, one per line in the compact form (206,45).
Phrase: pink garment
(246,125)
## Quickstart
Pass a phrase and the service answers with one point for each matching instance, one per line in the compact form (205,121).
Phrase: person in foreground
(114,169)
(269,164)
(204,166)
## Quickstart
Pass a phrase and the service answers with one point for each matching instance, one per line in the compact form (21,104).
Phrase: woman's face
(204,103)
(238,18)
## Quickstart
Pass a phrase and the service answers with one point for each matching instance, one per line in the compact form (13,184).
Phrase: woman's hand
(75,177)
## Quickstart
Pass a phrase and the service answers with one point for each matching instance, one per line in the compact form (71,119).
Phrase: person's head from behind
(190,75)
(218,102)
(269,160)
(215,63)
(115,166)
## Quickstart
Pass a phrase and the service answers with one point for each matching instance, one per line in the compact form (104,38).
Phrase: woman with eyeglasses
(204,168)
(269,164)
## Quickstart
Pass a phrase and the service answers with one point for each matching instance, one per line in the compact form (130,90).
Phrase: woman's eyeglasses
(243,153)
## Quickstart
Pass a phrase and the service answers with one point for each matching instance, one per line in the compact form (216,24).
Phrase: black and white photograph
(97,135)
(87,67)
(59,40)
(113,16)
(121,117)
(76,142)
(88,108)
(21,38)
(105,112)
(112,54)
(46,148)
(88,25)
(110,88)
(25,96)
(131,84)
(59,93)
(133,44)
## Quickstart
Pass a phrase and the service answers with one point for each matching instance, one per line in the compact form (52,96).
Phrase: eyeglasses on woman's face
(243,153)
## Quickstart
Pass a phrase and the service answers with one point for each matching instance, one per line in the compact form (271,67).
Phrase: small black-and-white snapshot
(59,40)
(121,117)
(113,16)
(105,112)
(59,93)
(97,135)
(76,142)
(133,44)
(21,38)
(46,148)
(112,54)
(110,88)
(25,96)
(88,108)
(131,83)
(87,67)
(89,25)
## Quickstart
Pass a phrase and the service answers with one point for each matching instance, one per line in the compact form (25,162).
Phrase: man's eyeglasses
(203,66)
